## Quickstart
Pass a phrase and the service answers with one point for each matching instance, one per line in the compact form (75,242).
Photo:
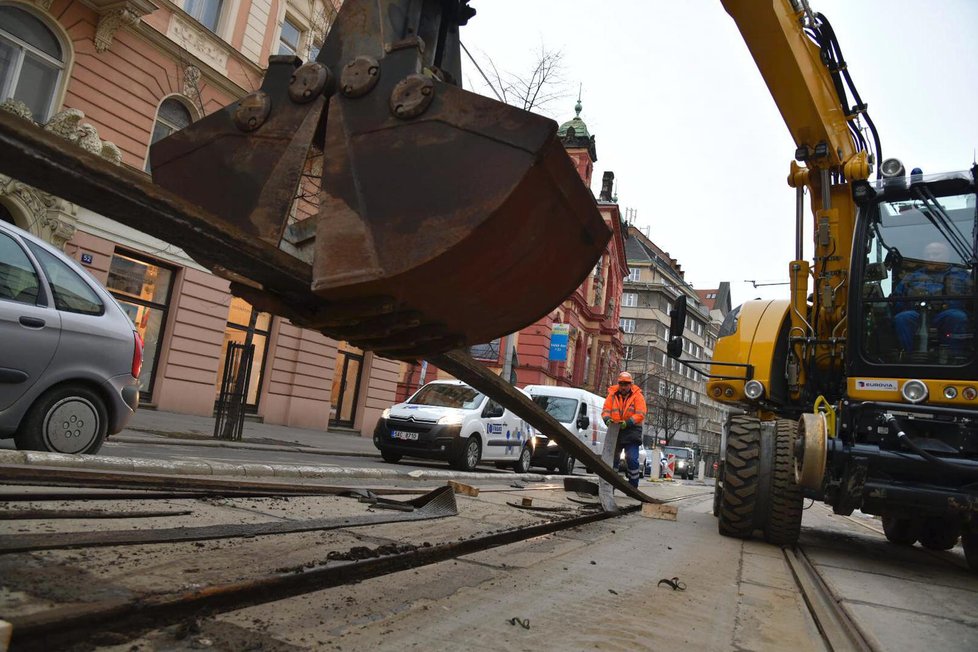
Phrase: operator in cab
(626,405)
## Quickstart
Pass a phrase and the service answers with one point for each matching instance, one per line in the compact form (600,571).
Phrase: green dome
(580,129)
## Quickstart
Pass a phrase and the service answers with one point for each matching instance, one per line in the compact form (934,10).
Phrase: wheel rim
(569,466)
(71,425)
(472,454)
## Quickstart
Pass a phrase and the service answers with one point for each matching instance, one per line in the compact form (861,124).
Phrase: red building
(594,346)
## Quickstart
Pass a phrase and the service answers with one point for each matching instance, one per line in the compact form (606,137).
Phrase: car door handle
(32,322)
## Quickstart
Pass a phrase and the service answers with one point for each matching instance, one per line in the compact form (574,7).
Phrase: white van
(448,420)
(579,411)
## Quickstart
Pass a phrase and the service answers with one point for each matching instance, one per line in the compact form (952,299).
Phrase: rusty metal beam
(59,477)
(464,367)
(49,162)
(434,504)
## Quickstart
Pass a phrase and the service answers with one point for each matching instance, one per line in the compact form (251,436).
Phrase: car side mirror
(583,422)
(493,410)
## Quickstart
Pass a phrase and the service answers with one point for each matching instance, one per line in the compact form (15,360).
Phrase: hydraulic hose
(895,428)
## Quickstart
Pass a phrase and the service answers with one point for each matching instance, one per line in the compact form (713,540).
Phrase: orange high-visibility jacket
(621,409)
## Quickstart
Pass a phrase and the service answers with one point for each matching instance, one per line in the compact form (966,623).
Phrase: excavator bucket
(445,218)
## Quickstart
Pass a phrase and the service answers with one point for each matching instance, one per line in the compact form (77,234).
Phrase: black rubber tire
(969,541)
(522,465)
(901,531)
(392,457)
(717,491)
(469,454)
(566,467)
(939,533)
(785,504)
(741,474)
(55,413)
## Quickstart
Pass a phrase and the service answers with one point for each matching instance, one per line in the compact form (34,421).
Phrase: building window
(628,325)
(629,299)
(31,62)
(635,274)
(628,353)
(172,116)
(239,318)
(289,40)
(142,288)
(206,12)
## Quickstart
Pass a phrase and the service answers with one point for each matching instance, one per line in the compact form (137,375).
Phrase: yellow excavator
(861,389)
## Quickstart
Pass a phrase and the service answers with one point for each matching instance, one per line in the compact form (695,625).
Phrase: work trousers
(631,462)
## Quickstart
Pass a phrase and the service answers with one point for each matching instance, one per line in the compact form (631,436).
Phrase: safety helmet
(624,377)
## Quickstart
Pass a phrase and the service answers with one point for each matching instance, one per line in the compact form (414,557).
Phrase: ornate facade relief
(114,14)
(44,4)
(48,216)
(199,42)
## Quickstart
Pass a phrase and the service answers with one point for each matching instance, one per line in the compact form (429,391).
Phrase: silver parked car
(69,355)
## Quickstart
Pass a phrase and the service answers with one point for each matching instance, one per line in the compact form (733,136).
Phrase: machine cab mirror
(677,324)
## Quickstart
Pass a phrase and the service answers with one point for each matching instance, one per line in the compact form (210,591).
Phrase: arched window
(172,116)
(31,61)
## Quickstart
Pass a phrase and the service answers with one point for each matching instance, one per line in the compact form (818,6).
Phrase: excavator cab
(917,278)
(426,190)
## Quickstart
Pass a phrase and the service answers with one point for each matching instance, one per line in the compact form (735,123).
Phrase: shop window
(32,61)
(172,116)
(206,12)
(142,288)
(241,317)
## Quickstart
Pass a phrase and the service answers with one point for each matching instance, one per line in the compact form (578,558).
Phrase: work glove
(607,421)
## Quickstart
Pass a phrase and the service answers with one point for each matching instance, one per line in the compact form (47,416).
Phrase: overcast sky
(696,143)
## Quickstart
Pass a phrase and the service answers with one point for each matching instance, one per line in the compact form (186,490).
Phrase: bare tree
(670,413)
(532,90)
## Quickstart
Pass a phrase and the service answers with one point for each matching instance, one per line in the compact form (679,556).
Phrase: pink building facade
(114,76)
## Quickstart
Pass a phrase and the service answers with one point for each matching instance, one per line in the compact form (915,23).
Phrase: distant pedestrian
(626,405)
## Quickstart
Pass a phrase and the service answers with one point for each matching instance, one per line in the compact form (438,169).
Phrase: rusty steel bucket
(445,218)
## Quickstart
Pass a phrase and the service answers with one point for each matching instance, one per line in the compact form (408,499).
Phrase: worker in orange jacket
(626,405)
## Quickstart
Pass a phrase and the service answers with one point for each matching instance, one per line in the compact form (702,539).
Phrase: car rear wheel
(65,419)
(522,465)
(390,456)
(468,458)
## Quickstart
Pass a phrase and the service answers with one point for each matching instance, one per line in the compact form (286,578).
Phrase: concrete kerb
(100,463)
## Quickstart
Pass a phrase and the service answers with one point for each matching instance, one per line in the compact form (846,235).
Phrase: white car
(448,420)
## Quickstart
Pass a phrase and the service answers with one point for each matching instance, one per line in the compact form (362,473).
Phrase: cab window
(71,293)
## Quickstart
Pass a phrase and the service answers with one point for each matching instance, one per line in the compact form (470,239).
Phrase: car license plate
(400,434)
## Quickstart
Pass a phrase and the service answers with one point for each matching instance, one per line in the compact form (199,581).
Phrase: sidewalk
(156,427)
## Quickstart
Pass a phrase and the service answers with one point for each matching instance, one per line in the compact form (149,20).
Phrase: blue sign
(87,259)
(558,342)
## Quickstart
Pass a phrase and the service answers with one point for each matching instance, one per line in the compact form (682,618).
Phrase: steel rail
(839,631)
(36,514)
(59,626)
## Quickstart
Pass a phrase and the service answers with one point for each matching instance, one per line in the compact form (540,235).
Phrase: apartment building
(682,414)
(114,76)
